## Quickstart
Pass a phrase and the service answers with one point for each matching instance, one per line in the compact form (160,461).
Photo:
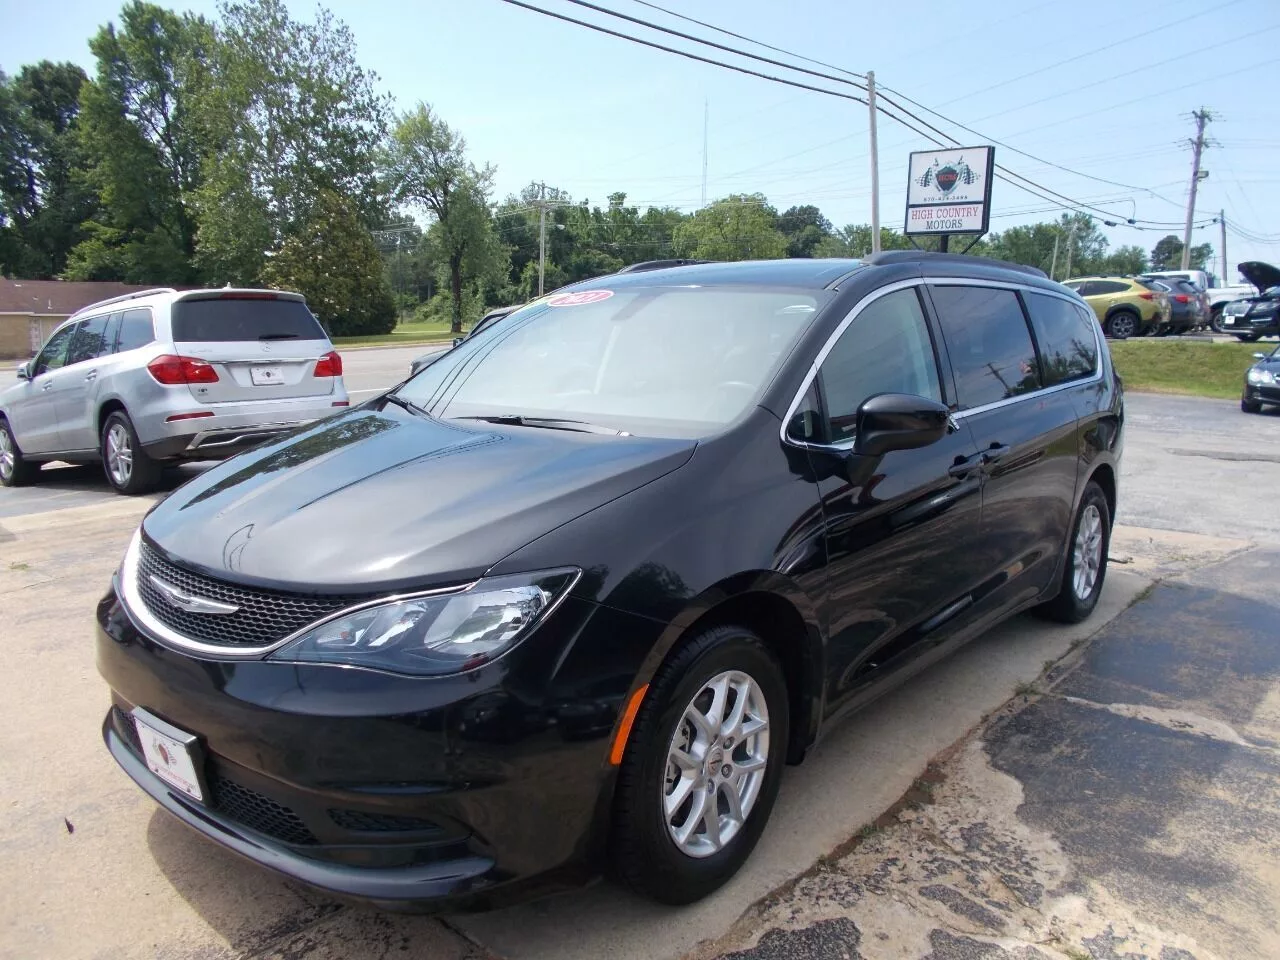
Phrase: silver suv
(162,375)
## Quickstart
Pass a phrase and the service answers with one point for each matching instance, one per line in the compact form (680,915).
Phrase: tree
(1125,261)
(141,135)
(42,198)
(804,227)
(333,261)
(854,240)
(1167,254)
(426,166)
(289,114)
(739,227)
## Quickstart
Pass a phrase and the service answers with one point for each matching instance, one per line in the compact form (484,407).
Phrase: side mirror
(898,421)
(23,373)
(1256,356)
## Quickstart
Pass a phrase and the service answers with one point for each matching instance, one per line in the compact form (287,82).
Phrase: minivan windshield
(230,318)
(654,360)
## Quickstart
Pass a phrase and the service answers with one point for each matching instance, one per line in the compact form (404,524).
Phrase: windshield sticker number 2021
(579,299)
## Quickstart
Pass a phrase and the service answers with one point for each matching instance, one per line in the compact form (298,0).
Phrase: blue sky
(545,100)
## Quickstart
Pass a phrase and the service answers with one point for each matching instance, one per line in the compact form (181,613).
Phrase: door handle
(91,376)
(47,385)
(994,453)
(964,466)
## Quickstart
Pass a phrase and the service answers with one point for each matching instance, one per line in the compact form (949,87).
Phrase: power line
(684,53)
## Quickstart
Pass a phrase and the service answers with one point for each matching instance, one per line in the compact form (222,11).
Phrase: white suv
(163,375)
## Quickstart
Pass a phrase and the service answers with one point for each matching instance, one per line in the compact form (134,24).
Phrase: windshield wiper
(277,336)
(547,423)
(404,404)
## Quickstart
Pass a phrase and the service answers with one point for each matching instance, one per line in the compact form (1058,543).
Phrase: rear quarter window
(1068,345)
(136,330)
(228,319)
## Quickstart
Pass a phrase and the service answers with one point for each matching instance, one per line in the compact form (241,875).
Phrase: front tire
(15,469)
(1215,318)
(1250,406)
(1085,566)
(1248,337)
(702,767)
(128,468)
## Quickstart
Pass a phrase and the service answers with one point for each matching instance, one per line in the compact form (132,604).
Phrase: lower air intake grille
(379,822)
(259,812)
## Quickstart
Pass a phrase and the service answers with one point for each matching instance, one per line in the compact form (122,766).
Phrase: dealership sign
(949,191)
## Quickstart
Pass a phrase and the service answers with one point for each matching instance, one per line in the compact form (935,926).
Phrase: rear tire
(128,468)
(1250,406)
(1122,325)
(15,469)
(1085,566)
(645,850)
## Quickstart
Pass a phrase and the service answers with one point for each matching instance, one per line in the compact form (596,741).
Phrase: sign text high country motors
(949,191)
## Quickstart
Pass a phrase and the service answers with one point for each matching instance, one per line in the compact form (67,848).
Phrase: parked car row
(1128,306)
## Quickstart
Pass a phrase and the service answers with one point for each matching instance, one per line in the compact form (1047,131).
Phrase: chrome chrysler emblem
(189,602)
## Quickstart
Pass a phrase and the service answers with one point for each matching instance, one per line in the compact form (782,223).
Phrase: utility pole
(1053,269)
(1202,116)
(875,164)
(542,235)
(1222,225)
(1071,243)
(706,116)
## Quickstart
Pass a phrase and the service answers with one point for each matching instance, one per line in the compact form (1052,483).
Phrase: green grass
(1195,368)
(403,335)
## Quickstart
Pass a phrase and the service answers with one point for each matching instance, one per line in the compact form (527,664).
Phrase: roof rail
(659,265)
(918,256)
(123,297)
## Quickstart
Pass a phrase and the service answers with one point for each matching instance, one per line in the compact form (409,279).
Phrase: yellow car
(1126,306)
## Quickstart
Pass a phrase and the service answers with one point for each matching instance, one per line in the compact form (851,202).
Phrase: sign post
(949,192)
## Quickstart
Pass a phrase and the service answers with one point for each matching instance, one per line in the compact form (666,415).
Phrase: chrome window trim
(956,415)
(131,600)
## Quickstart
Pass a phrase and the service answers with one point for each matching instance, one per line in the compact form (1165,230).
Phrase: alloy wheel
(716,764)
(1088,552)
(8,455)
(1123,326)
(119,454)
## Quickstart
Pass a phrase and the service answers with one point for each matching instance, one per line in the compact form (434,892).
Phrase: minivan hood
(376,500)
(1262,275)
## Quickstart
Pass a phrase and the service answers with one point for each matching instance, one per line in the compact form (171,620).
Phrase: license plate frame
(266,375)
(172,754)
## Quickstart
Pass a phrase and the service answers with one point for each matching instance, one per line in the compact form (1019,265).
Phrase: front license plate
(169,758)
(266,376)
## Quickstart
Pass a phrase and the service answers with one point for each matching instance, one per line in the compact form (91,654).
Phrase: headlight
(432,636)
(1260,376)
(1235,309)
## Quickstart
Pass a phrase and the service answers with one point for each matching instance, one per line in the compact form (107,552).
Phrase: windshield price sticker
(579,299)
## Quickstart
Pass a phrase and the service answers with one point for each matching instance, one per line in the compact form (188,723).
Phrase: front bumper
(1261,392)
(460,792)
(1260,326)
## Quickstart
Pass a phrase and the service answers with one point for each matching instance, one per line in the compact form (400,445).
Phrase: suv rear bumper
(225,429)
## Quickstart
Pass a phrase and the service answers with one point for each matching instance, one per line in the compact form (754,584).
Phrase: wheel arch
(107,407)
(783,615)
(1104,475)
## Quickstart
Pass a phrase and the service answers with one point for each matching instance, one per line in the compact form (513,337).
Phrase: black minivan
(570,599)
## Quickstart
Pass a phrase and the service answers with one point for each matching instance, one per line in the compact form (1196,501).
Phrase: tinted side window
(54,354)
(110,334)
(1068,347)
(991,351)
(887,349)
(1108,286)
(90,341)
(135,330)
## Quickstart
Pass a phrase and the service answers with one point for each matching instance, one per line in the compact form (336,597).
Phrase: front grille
(379,822)
(237,802)
(264,617)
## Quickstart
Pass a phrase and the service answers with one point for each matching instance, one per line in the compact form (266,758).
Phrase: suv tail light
(330,365)
(1147,296)
(173,370)
(1182,298)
